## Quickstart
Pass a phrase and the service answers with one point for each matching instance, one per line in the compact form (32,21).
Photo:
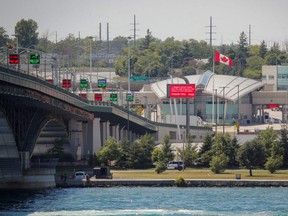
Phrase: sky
(181,19)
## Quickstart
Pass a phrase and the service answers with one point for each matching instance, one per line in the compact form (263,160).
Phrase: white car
(175,165)
(79,175)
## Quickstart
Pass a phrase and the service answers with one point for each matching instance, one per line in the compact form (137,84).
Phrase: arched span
(53,130)
(37,126)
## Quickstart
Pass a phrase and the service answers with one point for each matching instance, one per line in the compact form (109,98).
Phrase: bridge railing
(78,100)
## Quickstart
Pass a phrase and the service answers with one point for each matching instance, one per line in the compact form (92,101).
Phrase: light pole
(224,107)
(216,116)
(183,151)
(187,105)
(128,77)
(129,73)
(238,108)
(17,51)
(91,39)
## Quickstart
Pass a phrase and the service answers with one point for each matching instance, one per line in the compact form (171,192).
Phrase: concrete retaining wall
(170,183)
(31,179)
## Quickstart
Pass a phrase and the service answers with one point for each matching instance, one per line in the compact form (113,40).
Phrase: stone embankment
(169,183)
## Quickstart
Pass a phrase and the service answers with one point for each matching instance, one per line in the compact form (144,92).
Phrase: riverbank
(192,177)
(169,183)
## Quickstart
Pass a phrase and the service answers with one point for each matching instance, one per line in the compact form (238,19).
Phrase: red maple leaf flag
(219,58)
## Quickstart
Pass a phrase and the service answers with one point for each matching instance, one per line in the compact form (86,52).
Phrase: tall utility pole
(134,30)
(108,45)
(210,32)
(91,39)
(249,35)
(100,33)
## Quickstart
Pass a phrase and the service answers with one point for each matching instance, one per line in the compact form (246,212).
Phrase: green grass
(188,173)
(199,174)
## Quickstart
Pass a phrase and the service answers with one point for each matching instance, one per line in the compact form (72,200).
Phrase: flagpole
(213,70)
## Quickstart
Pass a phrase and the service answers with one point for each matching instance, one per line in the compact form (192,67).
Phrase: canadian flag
(219,58)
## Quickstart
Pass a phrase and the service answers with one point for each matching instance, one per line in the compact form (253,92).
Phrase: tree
(189,153)
(268,137)
(140,152)
(58,149)
(145,43)
(262,50)
(163,154)
(284,144)
(254,67)
(27,33)
(219,163)
(3,37)
(222,143)
(111,151)
(205,153)
(251,154)
(166,149)
(275,161)
(242,54)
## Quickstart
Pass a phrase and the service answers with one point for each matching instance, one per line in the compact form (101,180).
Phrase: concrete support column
(105,131)
(117,134)
(76,138)
(25,159)
(122,133)
(108,130)
(254,114)
(94,135)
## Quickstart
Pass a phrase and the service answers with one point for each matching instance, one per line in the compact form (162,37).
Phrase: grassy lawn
(188,173)
(199,174)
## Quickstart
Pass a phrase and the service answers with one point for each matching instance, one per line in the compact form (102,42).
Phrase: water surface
(146,201)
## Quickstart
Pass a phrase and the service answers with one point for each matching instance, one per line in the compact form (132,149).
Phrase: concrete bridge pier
(94,135)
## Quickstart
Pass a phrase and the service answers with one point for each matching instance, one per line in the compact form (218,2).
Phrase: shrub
(180,182)
(219,163)
(160,167)
(273,164)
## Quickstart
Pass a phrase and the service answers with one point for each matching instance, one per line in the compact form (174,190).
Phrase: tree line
(149,56)
(269,150)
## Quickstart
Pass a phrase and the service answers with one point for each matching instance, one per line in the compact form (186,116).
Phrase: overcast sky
(181,19)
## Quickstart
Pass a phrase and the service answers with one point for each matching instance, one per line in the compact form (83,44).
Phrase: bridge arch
(43,131)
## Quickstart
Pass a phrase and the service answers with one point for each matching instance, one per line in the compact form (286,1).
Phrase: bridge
(34,114)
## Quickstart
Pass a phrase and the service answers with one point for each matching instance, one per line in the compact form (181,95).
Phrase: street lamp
(187,104)
(91,39)
(17,52)
(129,38)
(128,76)
(183,152)
(224,107)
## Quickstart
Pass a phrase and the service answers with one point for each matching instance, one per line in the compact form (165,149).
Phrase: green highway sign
(113,97)
(83,83)
(138,78)
(34,59)
(101,83)
(129,97)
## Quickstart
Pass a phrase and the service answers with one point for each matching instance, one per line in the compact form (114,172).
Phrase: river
(145,201)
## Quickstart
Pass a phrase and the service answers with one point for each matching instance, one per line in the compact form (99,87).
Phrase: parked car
(79,175)
(175,165)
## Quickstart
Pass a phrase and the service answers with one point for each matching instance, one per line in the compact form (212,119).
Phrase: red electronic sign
(98,97)
(49,81)
(66,83)
(272,106)
(14,59)
(83,95)
(181,91)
